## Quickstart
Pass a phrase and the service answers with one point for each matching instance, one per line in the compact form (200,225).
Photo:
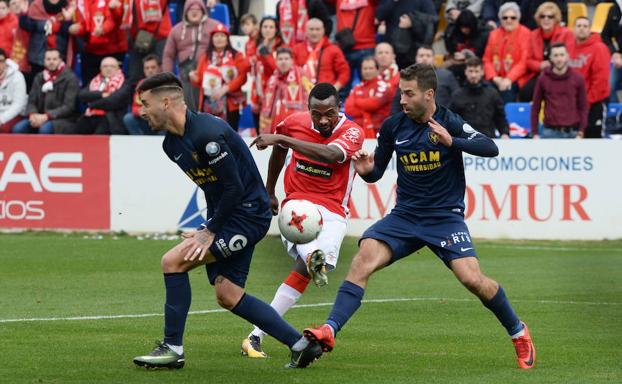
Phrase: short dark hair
(152,56)
(248,17)
(474,62)
(323,91)
(2,52)
(285,50)
(427,47)
(558,45)
(53,50)
(423,73)
(584,18)
(161,81)
(369,58)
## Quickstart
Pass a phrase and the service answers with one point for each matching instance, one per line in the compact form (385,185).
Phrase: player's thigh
(398,232)
(466,270)
(329,239)
(447,235)
(173,259)
(372,255)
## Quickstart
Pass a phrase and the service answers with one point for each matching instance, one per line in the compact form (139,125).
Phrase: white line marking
(207,311)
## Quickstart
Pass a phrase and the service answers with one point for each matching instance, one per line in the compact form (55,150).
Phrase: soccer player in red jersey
(320,170)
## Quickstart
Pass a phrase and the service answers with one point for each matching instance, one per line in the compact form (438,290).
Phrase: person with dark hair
(320,171)
(612,36)
(463,39)
(565,99)
(263,64)
(591,58)
(218,161)
(479,103)
(221,73)
(98,23)
(134,124)
(105,109)
(369,102)
(51,104)
(428,140)
(187,40)
(284,93)
(321,60)
(292,17)
(13,97)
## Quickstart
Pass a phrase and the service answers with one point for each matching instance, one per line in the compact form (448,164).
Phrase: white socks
(178,349)
(284,298)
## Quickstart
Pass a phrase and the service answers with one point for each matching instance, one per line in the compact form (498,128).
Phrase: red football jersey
(325,184)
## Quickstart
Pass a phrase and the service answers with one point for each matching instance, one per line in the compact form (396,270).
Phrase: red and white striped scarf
(104,85)
(50,76)
(293,21)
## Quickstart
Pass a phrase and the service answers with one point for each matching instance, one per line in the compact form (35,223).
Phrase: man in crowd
(479,103)
(135,124)
(565,99)
(13,95)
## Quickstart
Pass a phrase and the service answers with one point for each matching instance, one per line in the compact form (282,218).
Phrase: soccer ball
(300,221)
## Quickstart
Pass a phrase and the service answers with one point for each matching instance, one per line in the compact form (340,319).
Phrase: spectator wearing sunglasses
(549,31)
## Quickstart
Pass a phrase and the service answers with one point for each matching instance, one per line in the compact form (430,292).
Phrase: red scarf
(49,77)
(311,66)
(284,96)
(390,73)
(350,5)
(150,11)
(220,71)
(104,85)
(293,21)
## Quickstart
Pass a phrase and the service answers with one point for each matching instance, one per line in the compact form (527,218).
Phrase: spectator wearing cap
(263,62)
(220,75)
(479,103)
(505,57)
(51,106)
(188,38)
(590,57)
(292,17)
(98,23)
(135,124)
(106,101)
(8,27)
(565,99)
(321,60)
(549,31)
(13,95)
(464,39)
(147,21)
(369,102)
(284,92)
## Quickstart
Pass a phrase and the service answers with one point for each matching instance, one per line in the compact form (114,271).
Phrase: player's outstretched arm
(318,152)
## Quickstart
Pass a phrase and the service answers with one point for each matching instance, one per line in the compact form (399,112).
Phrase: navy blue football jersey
(429,174)
(216,159)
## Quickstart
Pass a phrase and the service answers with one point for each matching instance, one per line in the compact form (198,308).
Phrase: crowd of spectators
(72,66)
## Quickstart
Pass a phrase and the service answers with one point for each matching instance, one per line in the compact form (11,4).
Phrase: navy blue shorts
(444,232)
(233,248)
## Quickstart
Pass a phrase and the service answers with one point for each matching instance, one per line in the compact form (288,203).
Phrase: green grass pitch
(420,325)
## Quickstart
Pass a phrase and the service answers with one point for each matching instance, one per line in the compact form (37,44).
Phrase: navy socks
(347,302)
(178,298)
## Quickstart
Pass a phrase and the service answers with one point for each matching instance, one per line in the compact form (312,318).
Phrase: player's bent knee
(473,281)
(227,294)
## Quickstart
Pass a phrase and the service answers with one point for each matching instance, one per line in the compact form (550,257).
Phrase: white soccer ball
(300,221)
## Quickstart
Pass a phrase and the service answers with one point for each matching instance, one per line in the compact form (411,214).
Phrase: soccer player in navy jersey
(428,140)
(214,157)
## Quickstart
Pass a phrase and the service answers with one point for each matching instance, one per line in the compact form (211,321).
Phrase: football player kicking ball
(428,140)
(214,156)
(321,172)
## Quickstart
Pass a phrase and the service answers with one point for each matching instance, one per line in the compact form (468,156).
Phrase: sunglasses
(509,18)
(547,17)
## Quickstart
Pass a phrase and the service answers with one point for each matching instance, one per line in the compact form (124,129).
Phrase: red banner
(55,182)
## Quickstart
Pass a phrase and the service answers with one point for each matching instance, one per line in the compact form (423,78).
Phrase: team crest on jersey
(433,137)
(352,134)
(195,157)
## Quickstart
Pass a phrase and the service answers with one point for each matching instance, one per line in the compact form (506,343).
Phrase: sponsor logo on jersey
(433,138)
(421,161)
(314,170)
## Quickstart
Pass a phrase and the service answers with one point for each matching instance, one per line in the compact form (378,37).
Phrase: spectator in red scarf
(263,63)
(549,31)
(98,23)
(102,117)
(135,124)
(284,92)
(51,104)
(321,61)
(389,71)
(47,22)
(187,40)
(292,16)
(142,16)
(8,26)
(250,28)
(221,73)
(369,102)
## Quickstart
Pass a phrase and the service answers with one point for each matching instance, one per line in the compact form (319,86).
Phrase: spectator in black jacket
(612,37)
(463,39)
(408,25)
(107,101)
(479,103)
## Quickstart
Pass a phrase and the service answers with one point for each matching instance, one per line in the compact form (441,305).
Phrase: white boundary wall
(547,189)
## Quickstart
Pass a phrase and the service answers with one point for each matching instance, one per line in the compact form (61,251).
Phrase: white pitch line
(202,312)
